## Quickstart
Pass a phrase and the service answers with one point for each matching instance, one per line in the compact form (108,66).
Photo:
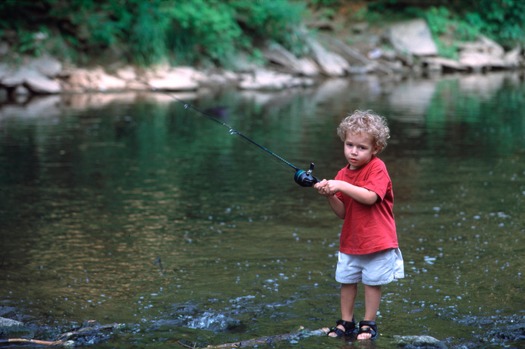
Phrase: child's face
(359,149)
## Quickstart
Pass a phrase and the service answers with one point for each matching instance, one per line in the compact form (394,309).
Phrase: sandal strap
(368,327)
(348,325)
(349,328)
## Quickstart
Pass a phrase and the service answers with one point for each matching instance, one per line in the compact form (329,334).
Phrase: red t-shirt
(368,228)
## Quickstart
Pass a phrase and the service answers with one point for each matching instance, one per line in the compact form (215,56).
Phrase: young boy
(362,195)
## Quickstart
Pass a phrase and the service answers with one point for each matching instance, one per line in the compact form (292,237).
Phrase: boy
(362,195)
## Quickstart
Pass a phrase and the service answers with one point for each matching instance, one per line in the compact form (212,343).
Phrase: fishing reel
(305,178)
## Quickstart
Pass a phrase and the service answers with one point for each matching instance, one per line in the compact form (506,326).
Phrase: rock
(513,58)
(4,48)
(414,342)
(34,81)
(4,70)
(179,79)
(82,80)
(126,74)
(21,90)
(41,84)
(480,60)
(331,64)
(485,54)
(78,80)
(483,45)
(412,37)
(277,54)
(445,63)
(108,82)
(307,67)
(359,64)
(12,79)
(5,322)
(269,80)
(46,65)
(215,78)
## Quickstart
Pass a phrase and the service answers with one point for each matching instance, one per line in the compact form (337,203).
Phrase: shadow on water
(130,208)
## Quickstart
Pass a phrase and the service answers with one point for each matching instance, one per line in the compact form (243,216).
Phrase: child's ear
(376,150)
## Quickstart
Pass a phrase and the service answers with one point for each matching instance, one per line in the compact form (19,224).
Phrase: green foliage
(203,28)
(448,30)
(502,20)
(146,32)
(277,20)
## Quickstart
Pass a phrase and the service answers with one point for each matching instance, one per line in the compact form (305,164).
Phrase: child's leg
(372,301)
(348,294)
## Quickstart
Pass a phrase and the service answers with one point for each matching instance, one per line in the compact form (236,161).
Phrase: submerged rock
(498,330)
(5,322)
(415,342)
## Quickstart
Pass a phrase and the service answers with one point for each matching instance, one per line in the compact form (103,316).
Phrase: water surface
(134,209)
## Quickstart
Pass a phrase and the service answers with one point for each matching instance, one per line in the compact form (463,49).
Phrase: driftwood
(18,341)
(68,339)
(267,340)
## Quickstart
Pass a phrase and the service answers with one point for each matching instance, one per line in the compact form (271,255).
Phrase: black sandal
(349,329)
(368,327)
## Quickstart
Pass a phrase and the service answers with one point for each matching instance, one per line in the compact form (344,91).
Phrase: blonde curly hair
(366,122)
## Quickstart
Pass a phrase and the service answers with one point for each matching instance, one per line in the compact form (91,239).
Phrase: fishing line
(301,177)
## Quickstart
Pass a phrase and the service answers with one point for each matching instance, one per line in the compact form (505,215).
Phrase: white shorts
(373,269)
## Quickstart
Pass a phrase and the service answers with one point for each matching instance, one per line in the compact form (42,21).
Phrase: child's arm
(359,194)
(337,206)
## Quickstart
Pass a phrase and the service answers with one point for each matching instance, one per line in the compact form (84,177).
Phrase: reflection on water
(130,208)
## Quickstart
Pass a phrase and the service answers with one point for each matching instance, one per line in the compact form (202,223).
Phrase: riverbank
(395,51)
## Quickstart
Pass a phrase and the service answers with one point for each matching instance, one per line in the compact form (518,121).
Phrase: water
(134,209)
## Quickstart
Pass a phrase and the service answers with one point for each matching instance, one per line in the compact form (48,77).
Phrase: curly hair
(366,122)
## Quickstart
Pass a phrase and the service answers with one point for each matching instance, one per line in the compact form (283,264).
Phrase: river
(132,208)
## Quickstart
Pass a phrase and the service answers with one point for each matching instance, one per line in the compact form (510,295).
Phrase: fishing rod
(301,177)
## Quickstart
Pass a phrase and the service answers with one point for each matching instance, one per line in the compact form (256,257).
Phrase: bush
(448,30)
(183,31)
(502,20)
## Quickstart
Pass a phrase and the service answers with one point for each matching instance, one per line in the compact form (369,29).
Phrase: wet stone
(5,322)
(419,342)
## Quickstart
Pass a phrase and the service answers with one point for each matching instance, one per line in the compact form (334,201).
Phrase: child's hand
(323,187)
(327,187)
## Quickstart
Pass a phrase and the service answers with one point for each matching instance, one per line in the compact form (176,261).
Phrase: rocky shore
(406,48)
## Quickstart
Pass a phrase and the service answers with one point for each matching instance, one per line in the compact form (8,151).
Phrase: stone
(174,80)
(513,58)
(269,80)
(277,54)
(5,322)
(479,60)
(426,342)
(106,82)
(32,79)
(46,65)
(126,73)
(445,63)
(78,80)
(41,84)
(331,64)
(412,37)
(12,79)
